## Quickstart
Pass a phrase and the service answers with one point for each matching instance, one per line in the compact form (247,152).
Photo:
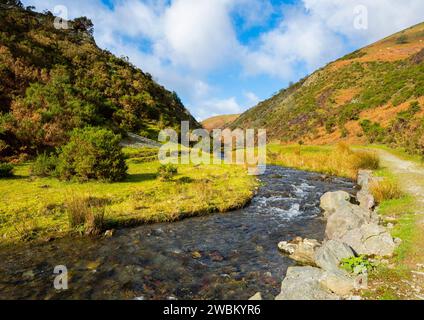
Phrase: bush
(386,190)
(45,165)
(92,153)
(403,39)
(373,131)
(167,171)
(6,170)
(86,215)
(365,160)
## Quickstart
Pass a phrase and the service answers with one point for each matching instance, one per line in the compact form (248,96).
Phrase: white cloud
(385,17)
(252,99)
(199,34)
(216,107)
(299,38)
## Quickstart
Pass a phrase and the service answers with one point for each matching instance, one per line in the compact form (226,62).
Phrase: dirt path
(411,175)
(411,179)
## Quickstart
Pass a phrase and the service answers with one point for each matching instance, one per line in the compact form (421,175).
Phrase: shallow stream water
(221,256)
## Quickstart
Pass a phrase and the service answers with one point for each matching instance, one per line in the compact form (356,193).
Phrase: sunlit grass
(34,208)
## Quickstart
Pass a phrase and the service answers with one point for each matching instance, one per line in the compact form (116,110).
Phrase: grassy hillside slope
(375,94)
(54,80)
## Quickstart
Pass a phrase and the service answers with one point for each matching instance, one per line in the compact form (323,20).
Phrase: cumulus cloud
(299,39)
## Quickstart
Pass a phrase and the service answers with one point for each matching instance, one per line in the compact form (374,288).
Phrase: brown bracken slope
(375,94)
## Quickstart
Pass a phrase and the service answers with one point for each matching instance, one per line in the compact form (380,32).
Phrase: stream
(219,257)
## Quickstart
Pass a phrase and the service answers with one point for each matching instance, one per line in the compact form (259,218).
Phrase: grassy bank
(338,160)
(37,208)
(394,279)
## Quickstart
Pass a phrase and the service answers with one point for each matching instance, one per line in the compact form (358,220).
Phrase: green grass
(33,208)
(403,210)
(402,213)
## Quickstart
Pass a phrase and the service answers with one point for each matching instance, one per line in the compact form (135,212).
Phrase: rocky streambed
(222,256)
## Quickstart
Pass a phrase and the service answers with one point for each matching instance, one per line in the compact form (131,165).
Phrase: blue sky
(224,56)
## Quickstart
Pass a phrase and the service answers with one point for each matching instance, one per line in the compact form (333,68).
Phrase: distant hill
(52,81)
(375,94)
(219,122)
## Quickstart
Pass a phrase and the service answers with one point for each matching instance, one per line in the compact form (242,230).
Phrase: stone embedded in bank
(331,201)
(338,281)
(329,256)
(300,250)
(370,239)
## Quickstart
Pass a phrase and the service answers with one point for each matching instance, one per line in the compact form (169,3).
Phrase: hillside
(52,81)
(375,94)
(219,122)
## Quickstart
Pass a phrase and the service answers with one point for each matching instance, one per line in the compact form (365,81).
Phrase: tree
(84,24)
(14,3)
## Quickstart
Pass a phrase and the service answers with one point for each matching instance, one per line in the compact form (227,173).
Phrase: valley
(83,184)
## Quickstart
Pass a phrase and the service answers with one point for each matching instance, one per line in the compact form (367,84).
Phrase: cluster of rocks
(353,229)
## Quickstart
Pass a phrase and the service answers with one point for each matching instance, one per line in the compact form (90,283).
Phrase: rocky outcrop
(351,230)
(300,250)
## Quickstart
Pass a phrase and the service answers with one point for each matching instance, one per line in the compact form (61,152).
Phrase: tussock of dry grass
(86,214)
(365,160)
(386,190)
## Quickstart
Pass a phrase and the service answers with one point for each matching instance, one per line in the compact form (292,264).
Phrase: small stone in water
(109,233)
(196,255)
(216,256)
(28,275)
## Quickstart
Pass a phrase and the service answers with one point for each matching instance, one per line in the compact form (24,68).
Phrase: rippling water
(222,256)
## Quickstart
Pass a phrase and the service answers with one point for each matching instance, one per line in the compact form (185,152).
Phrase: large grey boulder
(300,250)
(346,217)
(303,283)
(370,239)
(329,256)
(338,282)
(331,201)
